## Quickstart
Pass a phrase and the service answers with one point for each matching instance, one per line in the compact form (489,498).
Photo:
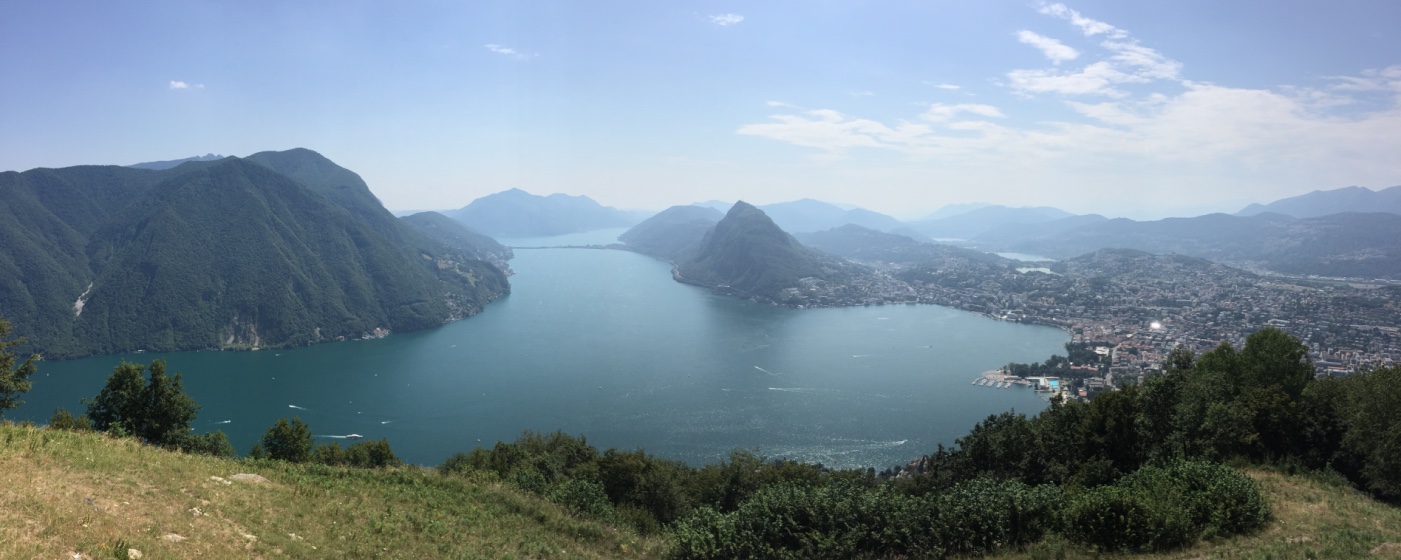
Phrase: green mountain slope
(673,233)
(448,231)
(745,254)
(858,243)
(227,253)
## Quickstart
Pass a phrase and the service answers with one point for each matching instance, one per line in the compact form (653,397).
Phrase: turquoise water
(603,343)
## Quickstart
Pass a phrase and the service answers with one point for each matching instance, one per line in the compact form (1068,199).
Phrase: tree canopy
(156,410)
(14,380)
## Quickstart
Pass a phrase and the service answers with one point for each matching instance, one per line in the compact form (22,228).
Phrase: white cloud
(508,51)
(1122,61)
(1200,143)
(176,84)
(726,20)
(1054,50)
(1098,78)
(947,86)
(1385,79)
(1087,26)
(941,112)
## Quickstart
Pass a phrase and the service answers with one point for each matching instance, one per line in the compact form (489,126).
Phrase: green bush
(1111,518)
(527,478)
(793,521)
(985,514)
(585,497)
(215,444)
(371,455)
(286,441)
(705,533)
(64,420)
(1162,508)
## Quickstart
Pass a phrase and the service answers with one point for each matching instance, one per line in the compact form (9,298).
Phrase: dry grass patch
(64,493)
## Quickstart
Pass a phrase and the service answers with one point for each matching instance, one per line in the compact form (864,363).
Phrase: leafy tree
(118,406)
(286,441)
(64,420)
(159,412)
(14,381)
(168,411)
(1371,448)
(215,444)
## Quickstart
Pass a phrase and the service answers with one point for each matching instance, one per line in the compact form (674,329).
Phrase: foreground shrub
(215,444)
(1161,508)
(984,514)
(792,521)
(64,420)
(587,498)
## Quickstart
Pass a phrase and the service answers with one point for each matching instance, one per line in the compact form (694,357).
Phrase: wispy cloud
(863,93)
(1201,136)
(1087,26)
(508,51)
(1123,61)
(1054,50)
(725,20)
(176,84)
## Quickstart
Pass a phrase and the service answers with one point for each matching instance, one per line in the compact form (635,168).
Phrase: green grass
(65,493)
(1314,517)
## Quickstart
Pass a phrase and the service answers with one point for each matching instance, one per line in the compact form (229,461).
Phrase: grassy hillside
(1313,518)
(65,493)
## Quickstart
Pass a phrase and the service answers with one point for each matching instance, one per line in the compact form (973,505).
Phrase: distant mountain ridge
(808,215)
(167,164)
(1342,245)
(983,219)
(867,245)
(275,249)
(1336,201)
(516,213)
(672,234)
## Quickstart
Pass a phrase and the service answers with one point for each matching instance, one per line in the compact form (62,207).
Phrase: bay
(603,343)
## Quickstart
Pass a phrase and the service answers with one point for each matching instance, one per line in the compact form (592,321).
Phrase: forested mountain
(277,249)
(1323,203)
(516,213)
(746,254)
(452,233)
(673,232)
(862,244)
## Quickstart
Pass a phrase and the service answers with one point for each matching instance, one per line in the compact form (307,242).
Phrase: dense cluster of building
(1142,306)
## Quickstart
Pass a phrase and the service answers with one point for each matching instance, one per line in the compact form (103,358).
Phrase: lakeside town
(1134,308)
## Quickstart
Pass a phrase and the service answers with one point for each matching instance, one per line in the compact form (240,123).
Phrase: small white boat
(354,436)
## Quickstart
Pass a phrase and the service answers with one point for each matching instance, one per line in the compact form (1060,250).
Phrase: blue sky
(1138,109)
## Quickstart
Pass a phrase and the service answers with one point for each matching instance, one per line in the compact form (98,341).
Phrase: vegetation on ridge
(1131,470)
(277,249)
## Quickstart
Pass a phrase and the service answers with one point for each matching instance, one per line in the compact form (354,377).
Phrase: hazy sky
(1141,109)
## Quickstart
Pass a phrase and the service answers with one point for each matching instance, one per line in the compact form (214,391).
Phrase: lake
(603,343)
